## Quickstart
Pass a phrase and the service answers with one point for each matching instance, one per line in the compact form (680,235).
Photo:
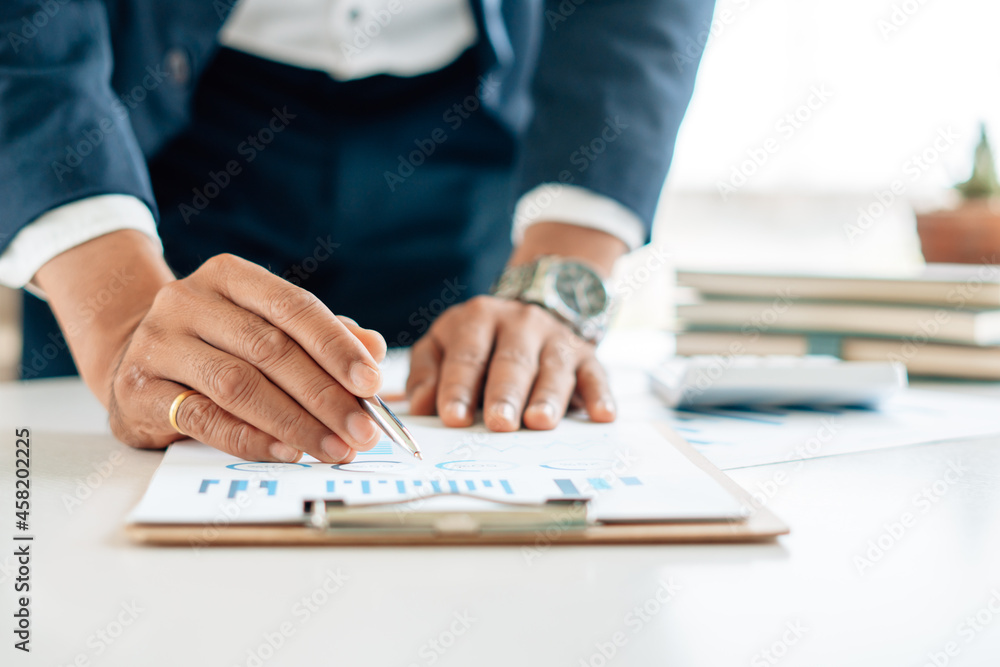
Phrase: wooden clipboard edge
(761,525)
(760,520)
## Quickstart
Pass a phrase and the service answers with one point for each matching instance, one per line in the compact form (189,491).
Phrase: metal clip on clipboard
(408,516)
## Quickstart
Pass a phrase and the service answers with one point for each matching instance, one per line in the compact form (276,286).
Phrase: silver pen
(390,424)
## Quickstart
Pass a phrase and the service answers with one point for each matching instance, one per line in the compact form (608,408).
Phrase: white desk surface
(489,606)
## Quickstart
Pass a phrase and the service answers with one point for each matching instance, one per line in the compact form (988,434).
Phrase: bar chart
(395,488)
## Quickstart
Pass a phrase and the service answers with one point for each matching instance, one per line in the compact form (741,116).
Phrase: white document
(628,469)
(741,438)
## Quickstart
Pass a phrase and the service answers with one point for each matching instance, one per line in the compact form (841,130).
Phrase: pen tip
(419,455)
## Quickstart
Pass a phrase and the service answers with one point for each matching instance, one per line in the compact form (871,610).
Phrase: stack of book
(943,321)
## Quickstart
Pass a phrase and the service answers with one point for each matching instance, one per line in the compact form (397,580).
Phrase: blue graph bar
(329,486)
(383,481)
(205,483)
(366,486)
(506,486)
(453,485)
(470,485)
(567,487)
(436,486)
(631,481)
(236,486)
(418,482)
(488,484)
(401,486)
(716,412)
(270,484)
(598,484)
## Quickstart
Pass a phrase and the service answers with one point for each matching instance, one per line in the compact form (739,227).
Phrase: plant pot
(969,234)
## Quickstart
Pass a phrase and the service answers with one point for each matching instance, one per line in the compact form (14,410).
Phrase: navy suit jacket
(90,89)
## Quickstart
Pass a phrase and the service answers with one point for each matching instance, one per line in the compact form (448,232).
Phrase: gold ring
(176,405)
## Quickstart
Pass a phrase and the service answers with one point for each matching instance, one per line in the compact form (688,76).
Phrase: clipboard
(562,521)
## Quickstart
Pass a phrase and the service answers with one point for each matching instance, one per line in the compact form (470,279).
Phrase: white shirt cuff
(68,226)
(556,202)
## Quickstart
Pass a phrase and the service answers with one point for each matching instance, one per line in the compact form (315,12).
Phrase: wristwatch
(570,290)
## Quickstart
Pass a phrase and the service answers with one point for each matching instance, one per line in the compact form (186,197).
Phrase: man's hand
(518,359)
(277,373)
(520,362)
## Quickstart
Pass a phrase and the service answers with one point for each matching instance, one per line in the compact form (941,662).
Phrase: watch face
(581,289)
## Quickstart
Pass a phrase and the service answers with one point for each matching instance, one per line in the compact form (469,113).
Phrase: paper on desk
(741,438)
(629,469)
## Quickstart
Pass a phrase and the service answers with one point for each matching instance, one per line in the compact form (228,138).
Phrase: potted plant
(970,232)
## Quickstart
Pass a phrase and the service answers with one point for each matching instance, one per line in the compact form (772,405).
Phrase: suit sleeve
(64,135)
(612,85)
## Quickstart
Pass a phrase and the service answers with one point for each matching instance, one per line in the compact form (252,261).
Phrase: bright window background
(891,93)
(893,89)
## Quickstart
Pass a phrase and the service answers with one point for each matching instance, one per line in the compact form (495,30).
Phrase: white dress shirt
(349,39)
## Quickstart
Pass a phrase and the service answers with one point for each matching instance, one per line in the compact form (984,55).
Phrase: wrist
(99,291)
(568,288)
(594,247)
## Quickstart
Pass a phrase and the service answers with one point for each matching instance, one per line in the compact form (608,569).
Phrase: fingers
(302,316)
(244,392)
(285,364)
(200,418)
(197,416)
(554,386)
(592,386)
(422,383)
(462,370)
(527,365)
(513,369)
